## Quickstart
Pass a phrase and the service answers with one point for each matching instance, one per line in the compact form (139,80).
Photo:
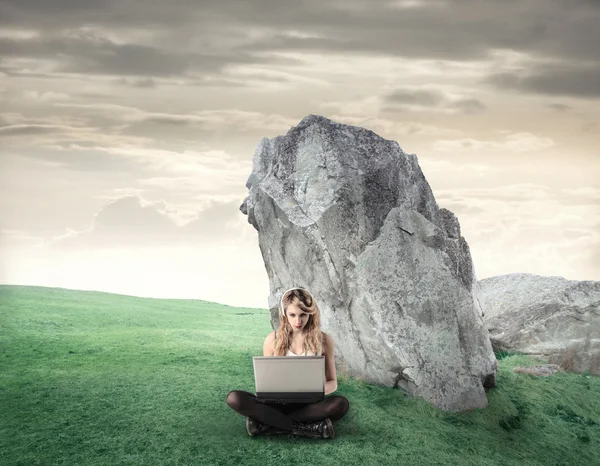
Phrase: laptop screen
(283,374)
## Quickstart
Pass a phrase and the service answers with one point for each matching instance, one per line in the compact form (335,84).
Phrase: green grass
(89,378)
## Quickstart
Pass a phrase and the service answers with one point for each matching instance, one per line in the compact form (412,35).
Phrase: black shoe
(255,428)
(320,429)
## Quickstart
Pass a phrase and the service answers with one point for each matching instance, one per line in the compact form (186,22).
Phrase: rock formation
(349,216)
(548,317)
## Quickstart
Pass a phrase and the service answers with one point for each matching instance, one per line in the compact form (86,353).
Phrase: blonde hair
(314,337)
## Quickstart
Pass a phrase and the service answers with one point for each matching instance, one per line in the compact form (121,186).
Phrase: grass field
(90,378)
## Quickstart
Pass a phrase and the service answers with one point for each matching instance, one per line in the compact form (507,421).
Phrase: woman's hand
(330,386)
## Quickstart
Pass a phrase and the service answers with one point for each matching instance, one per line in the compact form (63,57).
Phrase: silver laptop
(287,379)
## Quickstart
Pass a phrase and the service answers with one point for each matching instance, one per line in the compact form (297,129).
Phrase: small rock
(544,370)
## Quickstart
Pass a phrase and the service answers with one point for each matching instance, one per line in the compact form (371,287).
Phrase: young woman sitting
(299,334)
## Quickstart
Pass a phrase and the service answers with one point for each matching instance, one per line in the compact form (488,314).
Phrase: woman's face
(296,317)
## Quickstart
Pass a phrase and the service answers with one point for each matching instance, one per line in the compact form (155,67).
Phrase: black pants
(283,415)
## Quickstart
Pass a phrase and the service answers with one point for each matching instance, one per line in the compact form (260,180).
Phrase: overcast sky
(127,129)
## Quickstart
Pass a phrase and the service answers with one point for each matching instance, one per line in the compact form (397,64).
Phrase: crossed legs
(283,416)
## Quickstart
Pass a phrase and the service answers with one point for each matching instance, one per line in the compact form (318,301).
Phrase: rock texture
(350,216)
(549,317)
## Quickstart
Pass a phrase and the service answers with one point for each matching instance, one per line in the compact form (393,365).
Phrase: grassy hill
(90,378)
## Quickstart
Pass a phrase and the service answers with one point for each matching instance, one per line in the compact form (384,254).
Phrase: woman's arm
(268,347)
(330,375)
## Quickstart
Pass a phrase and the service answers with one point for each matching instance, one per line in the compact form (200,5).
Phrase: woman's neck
(298,336)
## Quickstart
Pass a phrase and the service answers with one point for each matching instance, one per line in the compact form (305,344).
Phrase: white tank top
(306,353)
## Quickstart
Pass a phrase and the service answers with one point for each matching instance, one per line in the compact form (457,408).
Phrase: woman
(299,334)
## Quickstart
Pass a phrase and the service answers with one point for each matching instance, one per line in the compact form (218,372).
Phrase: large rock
(349,216)
(548,317)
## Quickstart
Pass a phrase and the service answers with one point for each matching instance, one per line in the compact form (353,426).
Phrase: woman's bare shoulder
(327,339)
(268,345)
(270,338)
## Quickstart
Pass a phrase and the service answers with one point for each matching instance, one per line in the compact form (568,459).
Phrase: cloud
(386,126)
(177,38)
(85,52)
(209,120)
(452,30)
(408,4)
(569,79)
(514,142)
(125,138)
(133,215)
(130,221)
(468,105)
(560,107)
(30,130)
(416,96)
(140,83)
(420,99)
(48,96)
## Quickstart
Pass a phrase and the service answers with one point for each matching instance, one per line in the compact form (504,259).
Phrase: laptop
(285,379)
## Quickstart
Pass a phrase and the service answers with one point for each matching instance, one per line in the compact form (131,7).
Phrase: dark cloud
(384,40)
(419,97)
(218,32)
(575,80)
(560,107)
(31,130)
(90,54)
(141,83)
(128,59)
(468,105)
(458,30)
(406,99)
(61,14)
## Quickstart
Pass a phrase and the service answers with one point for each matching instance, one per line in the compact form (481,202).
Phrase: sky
(127,130)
